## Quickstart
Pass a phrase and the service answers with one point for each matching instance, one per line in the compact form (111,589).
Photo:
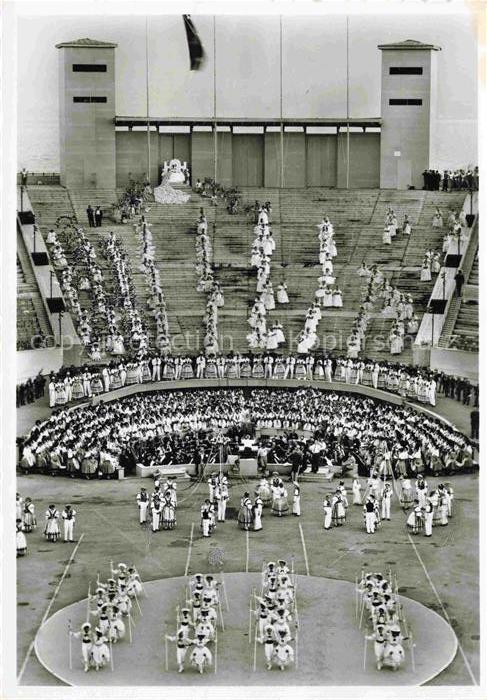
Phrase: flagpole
(147,93)
(280,100)
(215,136)
(348,110)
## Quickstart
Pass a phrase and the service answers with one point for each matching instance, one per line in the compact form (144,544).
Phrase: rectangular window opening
(406,102)
(406,70)
(89,68)
(89,99)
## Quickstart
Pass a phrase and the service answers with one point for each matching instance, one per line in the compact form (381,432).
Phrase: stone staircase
(474,273)
(461,328)
(358,218)
(32,319)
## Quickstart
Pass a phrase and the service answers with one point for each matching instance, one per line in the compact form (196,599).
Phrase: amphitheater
(435,581)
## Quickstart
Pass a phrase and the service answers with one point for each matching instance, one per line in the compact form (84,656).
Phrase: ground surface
(441,573)
(327,637)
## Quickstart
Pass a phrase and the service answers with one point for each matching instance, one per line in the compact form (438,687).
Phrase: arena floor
(441,573)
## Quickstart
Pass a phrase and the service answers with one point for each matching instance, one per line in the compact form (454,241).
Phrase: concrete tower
(86,113)
(408,110)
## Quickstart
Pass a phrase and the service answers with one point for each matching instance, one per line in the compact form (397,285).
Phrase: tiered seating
(49,202)
(32,319)
(461,328)
(170,226)
(358,219)
(466,330)
(474,273)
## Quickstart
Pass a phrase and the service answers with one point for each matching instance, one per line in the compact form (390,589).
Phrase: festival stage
(330,645)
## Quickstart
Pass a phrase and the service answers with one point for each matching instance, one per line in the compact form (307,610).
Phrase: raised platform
(330,644)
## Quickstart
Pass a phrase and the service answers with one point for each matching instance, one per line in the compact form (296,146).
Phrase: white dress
(337,300)
(272,340)
(282,297)
(425,274)
(356,488)
(165,194)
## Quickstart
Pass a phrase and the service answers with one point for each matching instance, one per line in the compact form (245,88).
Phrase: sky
(247,72)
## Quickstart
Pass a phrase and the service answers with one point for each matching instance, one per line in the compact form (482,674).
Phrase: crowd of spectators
(31,390)
(451,180)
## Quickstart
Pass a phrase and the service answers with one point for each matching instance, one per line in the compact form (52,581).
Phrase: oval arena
(247,420)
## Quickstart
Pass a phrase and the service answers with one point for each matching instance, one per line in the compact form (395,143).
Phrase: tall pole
(348,111)
(147,92)
(215,133)
(280,100)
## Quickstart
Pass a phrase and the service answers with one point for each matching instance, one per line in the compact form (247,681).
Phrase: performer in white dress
(282,296)
(100,650)
(437,219)
(257,509)
(327,513)
(201,656)
(356,488)
(20,541)
(296,499)
(425,274)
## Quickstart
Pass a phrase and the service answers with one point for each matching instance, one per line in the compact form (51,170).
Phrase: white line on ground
(304,549)
(109,522)
(433,588)
(48,609)
(190,545)
(247,552)
(132,541)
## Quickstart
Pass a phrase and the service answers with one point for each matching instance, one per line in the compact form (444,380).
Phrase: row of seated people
(77,383)
(169,426)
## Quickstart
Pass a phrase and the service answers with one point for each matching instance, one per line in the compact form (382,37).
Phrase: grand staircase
(358,218)
(32,319)
(461,329)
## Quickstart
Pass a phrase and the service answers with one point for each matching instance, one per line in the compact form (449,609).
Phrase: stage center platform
(330,644)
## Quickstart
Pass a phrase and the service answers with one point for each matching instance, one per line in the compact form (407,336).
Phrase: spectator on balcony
(23,177)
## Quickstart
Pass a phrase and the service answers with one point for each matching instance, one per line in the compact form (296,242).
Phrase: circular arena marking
(331,646)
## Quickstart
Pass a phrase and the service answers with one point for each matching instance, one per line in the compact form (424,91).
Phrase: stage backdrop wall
(364,160)
(248,160)
(321,160)
(254,160)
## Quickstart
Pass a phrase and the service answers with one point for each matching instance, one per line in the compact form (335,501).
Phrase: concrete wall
(321,160)
(310,160)
(406,128)
(31,362)
(131,147)
(87,133)
(364,160)
(272,159)
(456,362)
(294,160)
(248,160)
(202,155)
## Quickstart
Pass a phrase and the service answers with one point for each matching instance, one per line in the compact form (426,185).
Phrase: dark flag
(196,52)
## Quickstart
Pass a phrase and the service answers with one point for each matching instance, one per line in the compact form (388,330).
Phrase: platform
(330,644)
